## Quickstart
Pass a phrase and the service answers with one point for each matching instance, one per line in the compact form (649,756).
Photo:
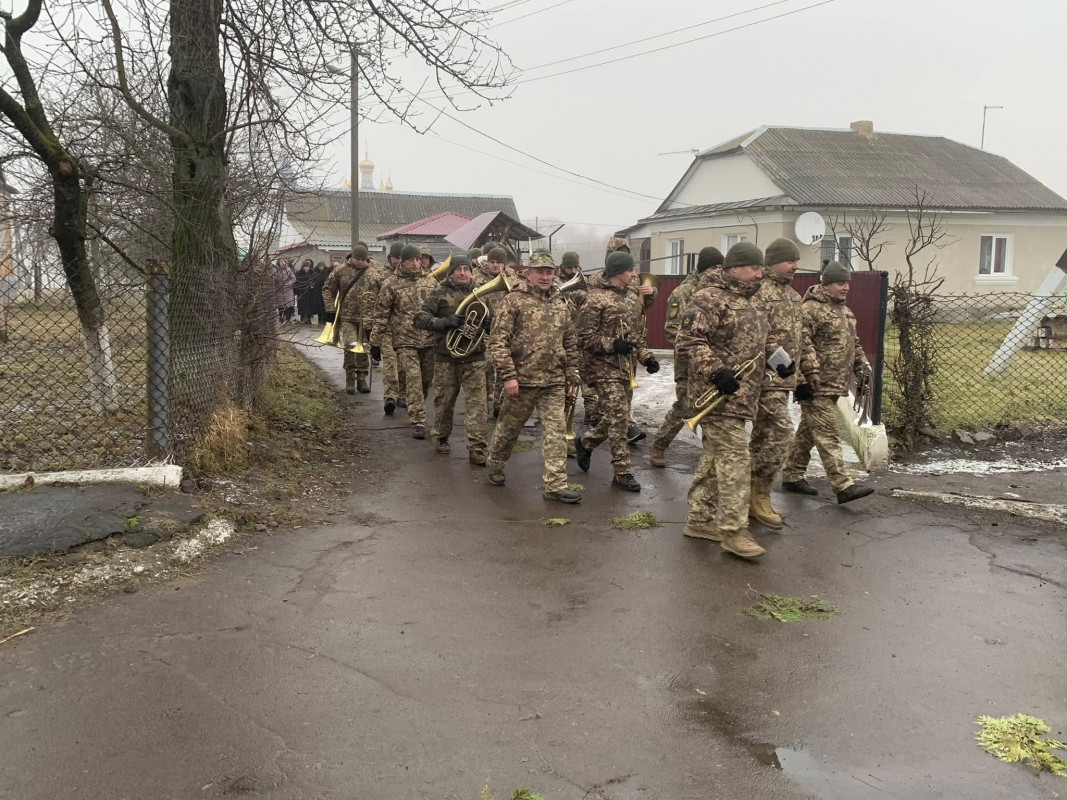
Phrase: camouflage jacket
(639,305)
(832,328)
(676,303)
(533,340)
(441,304)
(781,304)
(605,317)
(400,298)
(341,284)
(376,275)
(724,326)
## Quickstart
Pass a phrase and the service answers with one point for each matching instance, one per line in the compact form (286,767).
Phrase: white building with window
(1004,230)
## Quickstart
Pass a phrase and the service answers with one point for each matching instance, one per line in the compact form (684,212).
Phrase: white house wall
(724,179)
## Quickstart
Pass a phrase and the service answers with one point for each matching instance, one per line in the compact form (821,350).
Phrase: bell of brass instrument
(713,398)
(569,403)
(441,272)
(358,348)
(577,282)
(464,340)
(648,279)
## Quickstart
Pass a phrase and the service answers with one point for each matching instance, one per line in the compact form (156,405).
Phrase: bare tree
(866,229)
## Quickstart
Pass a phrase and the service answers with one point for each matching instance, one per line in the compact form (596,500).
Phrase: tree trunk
(68,229)
(205,257)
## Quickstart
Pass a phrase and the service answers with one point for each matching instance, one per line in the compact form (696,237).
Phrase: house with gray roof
(317,225)
(1004,229)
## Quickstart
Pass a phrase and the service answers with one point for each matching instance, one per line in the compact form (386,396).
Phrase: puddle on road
(803,768)
(974,466)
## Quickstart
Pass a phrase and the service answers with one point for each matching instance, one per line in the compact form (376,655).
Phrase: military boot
(658,456)
(702,530)
(759,504)
(362,384)
(853,492)
(563,496)
(626,482)
(800,487)
(741,544)
(582,454)
(350,381)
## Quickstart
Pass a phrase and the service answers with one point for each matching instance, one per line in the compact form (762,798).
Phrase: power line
(532,13)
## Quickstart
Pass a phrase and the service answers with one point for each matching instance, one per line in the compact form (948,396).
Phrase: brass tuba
(577,282)
(464,340)
(712,398)
(440,273)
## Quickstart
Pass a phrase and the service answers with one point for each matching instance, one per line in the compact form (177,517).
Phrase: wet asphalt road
(440,637)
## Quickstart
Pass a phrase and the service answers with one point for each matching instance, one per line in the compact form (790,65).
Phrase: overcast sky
(911,66)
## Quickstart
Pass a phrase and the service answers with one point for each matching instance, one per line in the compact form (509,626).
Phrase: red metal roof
(438,225)
(491,223)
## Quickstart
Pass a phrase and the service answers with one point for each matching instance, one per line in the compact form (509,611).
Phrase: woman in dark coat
(322,272)
(305,292)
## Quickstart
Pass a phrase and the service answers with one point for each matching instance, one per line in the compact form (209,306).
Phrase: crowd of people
(522,340)
(299,293)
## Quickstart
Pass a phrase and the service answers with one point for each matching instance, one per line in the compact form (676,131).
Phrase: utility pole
(355,178)
(984,110)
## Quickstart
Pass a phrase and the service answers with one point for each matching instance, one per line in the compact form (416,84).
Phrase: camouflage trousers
(493,386)
(514,411)
(673,421)
(392,377)
(723,477)
(772,431)
(417,364)
(356,362)
(614,410)
(818,428)
(448,378)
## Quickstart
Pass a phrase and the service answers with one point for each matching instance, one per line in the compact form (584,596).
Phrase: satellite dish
(810,228)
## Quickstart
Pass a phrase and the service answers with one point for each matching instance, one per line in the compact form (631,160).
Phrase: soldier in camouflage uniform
(641,298)
(832,328)
(721,329)
(392,376)
(426,258)
(345,287)
(772,429)
(493,266)
(400,298)
(438,314)
(609,342)
(709,258)
(376,275)
(535,351)
(570,265)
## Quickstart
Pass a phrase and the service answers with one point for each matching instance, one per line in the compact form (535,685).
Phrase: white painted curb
(166,475)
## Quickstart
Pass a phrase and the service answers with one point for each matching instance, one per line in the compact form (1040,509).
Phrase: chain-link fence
(998,359)
(135,374)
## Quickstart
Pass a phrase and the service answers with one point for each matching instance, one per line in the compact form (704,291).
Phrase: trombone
(713,398)
(358,347)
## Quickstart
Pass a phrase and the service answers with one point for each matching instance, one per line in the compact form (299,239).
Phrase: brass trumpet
(464,340)
(713,398)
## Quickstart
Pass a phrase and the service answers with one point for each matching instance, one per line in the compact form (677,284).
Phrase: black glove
(803,392)
(450,322)
(652,366)
(725,381)
(786,372)
(487,324)
(376,352)
(622,347)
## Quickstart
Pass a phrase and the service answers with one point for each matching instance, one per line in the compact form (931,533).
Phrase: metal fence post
(157,298)
(879,357)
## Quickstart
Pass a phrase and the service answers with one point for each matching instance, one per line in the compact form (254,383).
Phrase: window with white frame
(730,239)
(840,249)
(675,256)
(994,254)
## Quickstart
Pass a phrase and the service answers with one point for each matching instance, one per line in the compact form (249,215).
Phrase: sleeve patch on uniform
(687,321)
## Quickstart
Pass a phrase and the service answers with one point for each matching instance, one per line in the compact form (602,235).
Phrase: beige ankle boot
(741,544)
(759,504)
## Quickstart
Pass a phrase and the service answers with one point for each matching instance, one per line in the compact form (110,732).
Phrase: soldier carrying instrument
(722,329)
(832,328)
(709,258)
(772,430)
(400,298)
(535,352)
(438,314)
(346,285)
(609,341)
(493,266)
(392,378)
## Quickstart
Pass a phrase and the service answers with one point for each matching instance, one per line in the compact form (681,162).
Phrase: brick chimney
(863,126)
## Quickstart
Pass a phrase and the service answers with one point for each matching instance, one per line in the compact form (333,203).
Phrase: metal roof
(846,168)
(439,225)
(491,225)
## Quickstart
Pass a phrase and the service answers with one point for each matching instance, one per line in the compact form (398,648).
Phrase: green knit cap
(834,273)
(709,257)
(781,250)
(409,251)
(475,254)
(395,248)
(570,259)
(743,254)
(617,263)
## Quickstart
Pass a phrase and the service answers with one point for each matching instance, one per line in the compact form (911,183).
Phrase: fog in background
(912,66)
